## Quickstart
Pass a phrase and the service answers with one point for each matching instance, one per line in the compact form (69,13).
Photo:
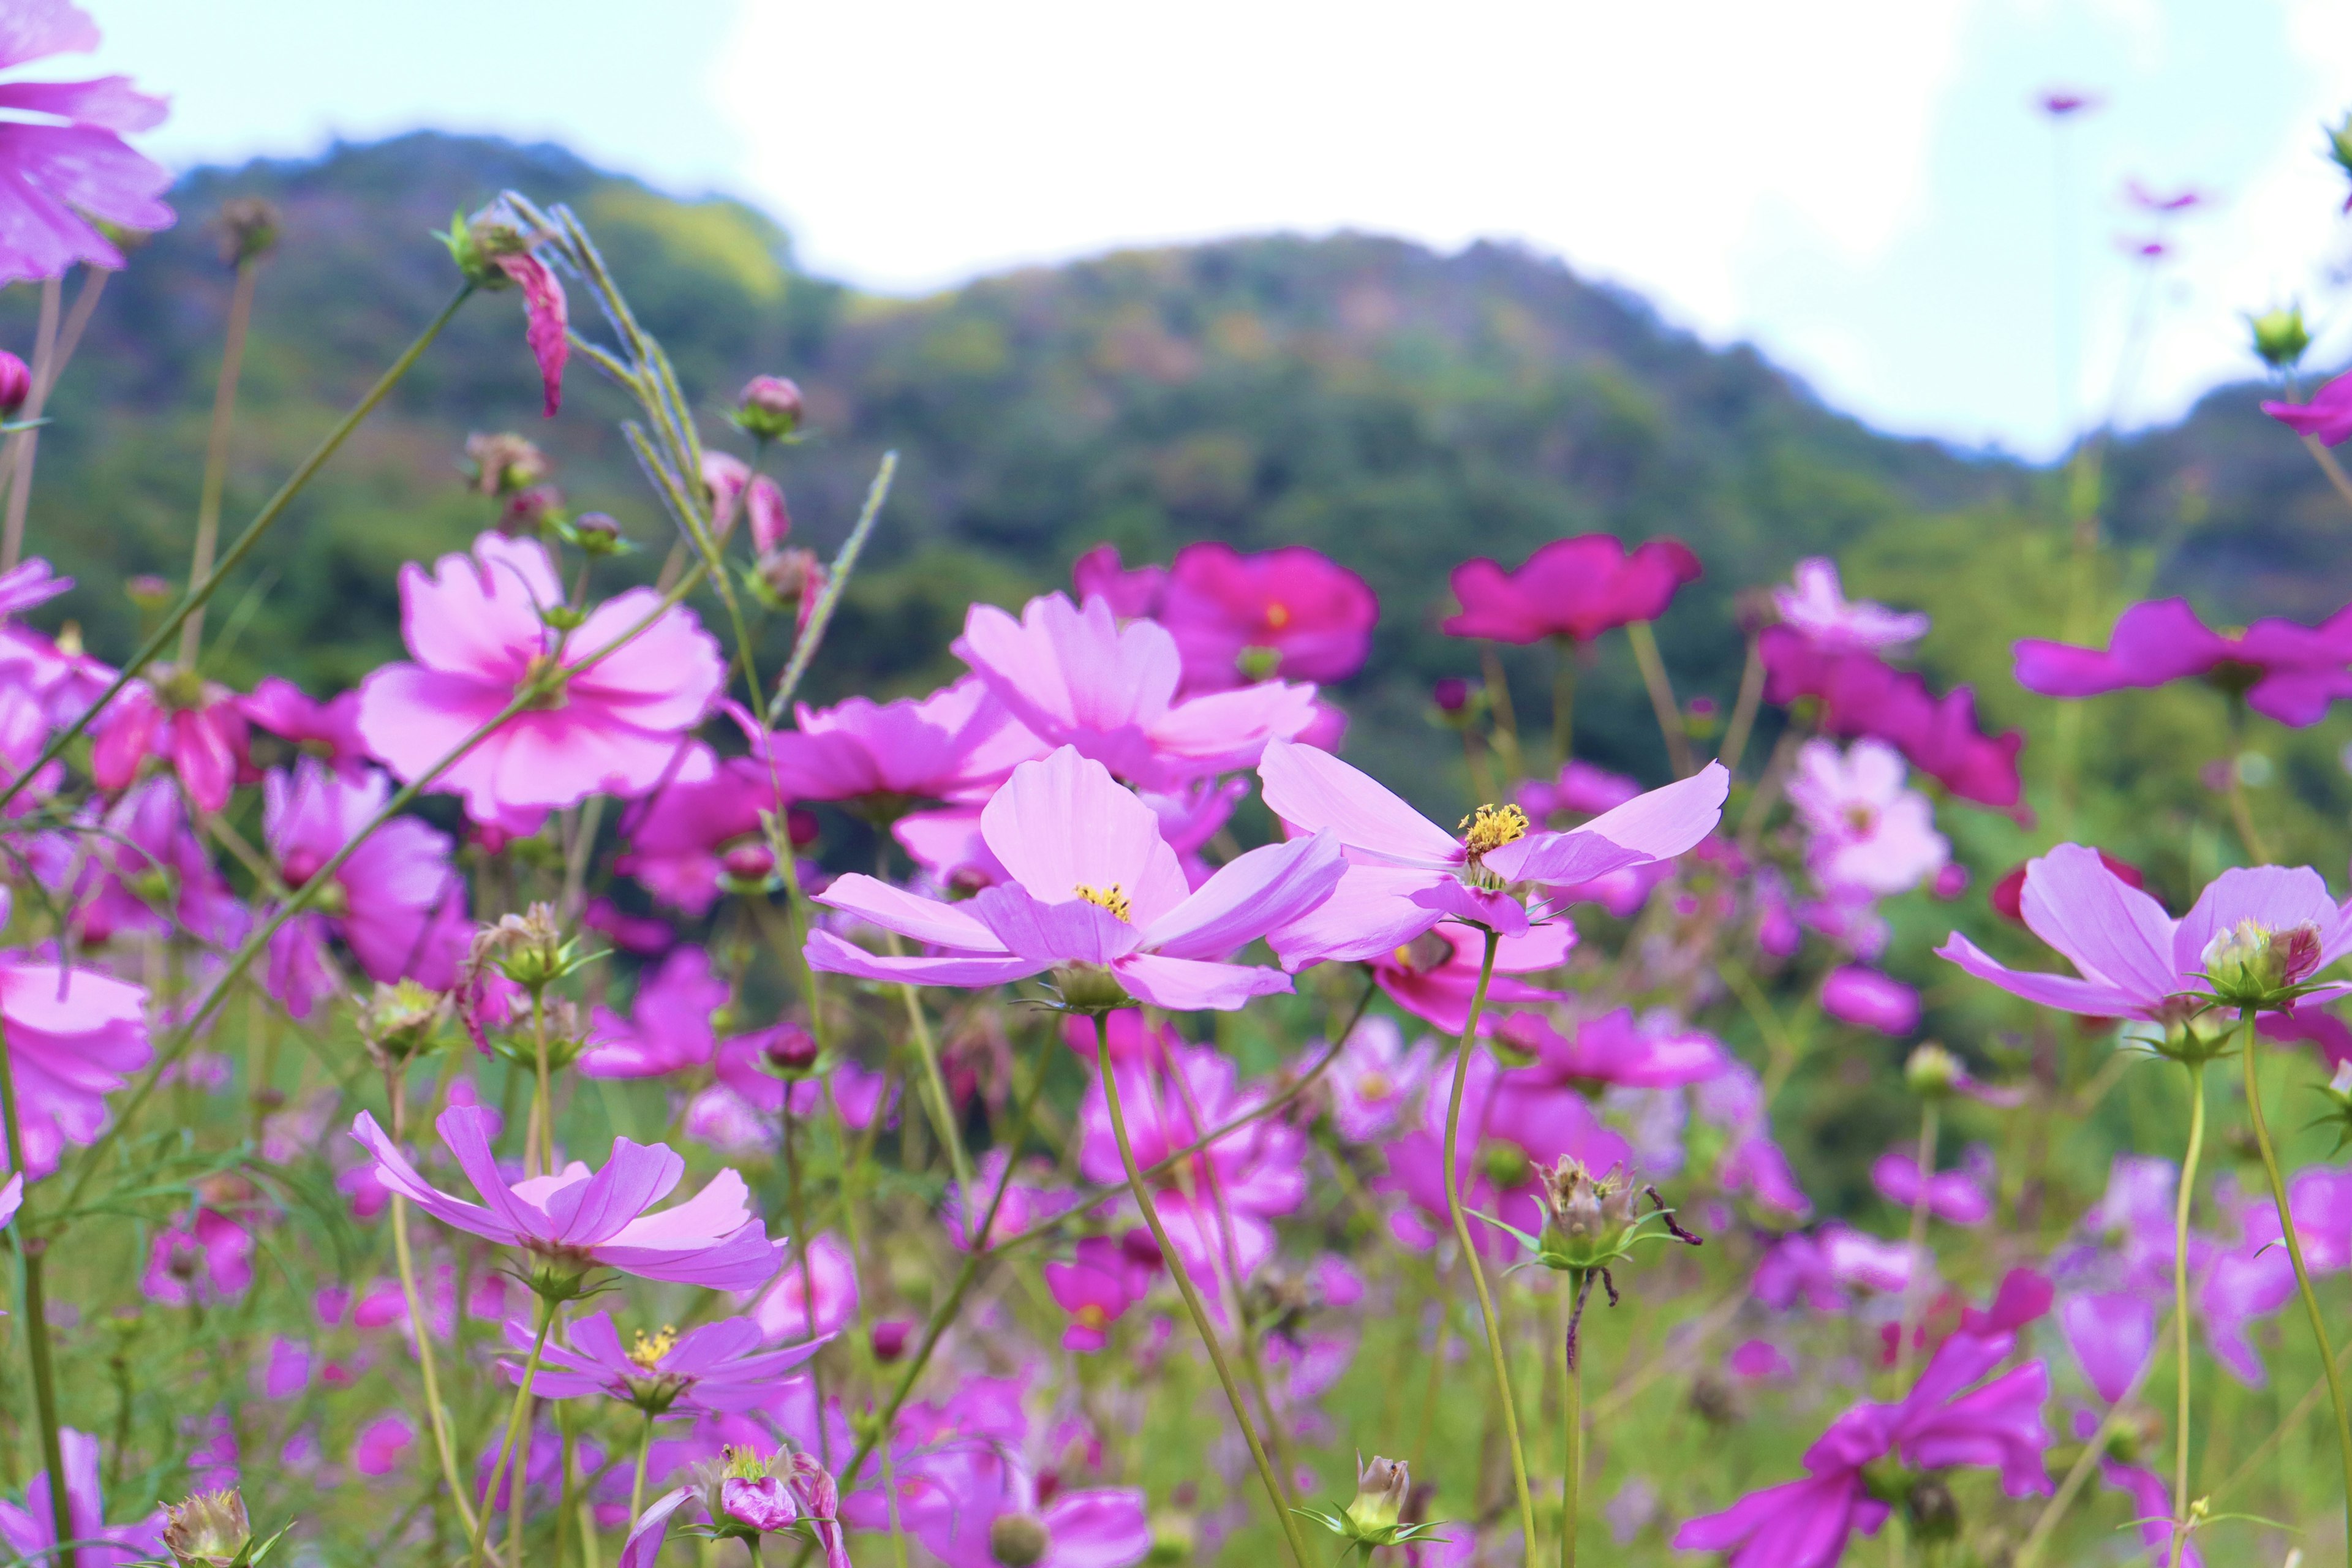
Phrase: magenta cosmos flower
(1132,592)
(1574,588)
(1869,1000)
(716,1367)
(2327,418)
(1293,613)
(957,743)
(1613,1049)
(1952,1418)
(668,1026)
(476,626)
(1434,975)
(683,835)
(576,1220)
(1077,677)
(999,1514)
(2285,671)
(74,1037)
(1958,1196)
(1405,873)
(196,727)
(397,902)
(1861,694)
(2133,960)
(329,730)
(32,1531)
(70,165)
(1097,896)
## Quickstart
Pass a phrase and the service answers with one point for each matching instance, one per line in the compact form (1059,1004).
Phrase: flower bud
(530,510)
(769,408)
(889,1339)
(2251,966)
(596,533)
(1381,1488)
(1932,1072)
(1587,1220)
(792,576)
(502,464)
(1018,1540)
(1140,1248)
(1451,694)
(790,1050)
(208,1529)
(396,1022)
(748,862)
(16,384)
(2280,336)
(149,591)
(248,229)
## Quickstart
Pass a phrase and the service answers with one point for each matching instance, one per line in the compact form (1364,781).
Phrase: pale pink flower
(69,169)
(1817,606)
(1868,832)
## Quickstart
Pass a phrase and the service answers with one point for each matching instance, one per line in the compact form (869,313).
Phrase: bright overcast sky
(1859,186)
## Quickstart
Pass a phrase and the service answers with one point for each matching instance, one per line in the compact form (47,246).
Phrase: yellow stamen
(1491,828)
(649,1352)
(1112,898)
(1277,615)
(1090,1316)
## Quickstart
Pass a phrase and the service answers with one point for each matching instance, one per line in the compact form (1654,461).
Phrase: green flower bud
(1932,1072)
(208,1529)
(2280,336)
(1018,1540)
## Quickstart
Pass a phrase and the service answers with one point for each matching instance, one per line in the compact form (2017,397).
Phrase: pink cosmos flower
(2112,1334)
(75,1036)
(329,730)
(668,1026)
(1656,1053)
(1869,1000)
(2327,418)
(1033,1192)
(2151,1501)
(1405,873)
(546,320)
(1217,1207)
(1132,594)
(785,1312)
(1292,613)
(1376,1078)
(1434,975)
(1077,677)
(681,837)
(1958,1197)
(197,727)
(1096,1287)
(576,1219)
(716,1366)
(1752,1162)
(145,871)
(207,1256)
(397,902)
(1860,694)
(31,1532)
(383,1445)
(70,165)
(1868,832)
(801,1491)
(1823,1268)
(29,583)
(1953,1417)
(2285,670)
(1818,608)
(957,744)
(475,627)
(1580,790)
(2133,959)
(1574,588)
(1002,1514)
(1095,888)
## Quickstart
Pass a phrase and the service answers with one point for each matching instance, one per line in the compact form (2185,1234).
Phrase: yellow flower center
(649,1352)
(1091,1316)
(1113,898)
(1374,1085)
(1277,615)
(1491,828)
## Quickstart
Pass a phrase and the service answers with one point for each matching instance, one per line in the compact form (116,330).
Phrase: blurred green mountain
(1398,409)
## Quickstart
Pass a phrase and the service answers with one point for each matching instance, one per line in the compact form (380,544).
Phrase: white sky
(1859,186)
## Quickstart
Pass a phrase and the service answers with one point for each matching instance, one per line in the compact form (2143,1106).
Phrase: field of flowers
(479,1118)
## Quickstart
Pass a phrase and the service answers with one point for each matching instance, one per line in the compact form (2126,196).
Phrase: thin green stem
(1470,1258)
(29,1250)
(2241,811)
(437,1418)
(935,1086)
(637,1482)
(1662,697)
(200,593)
(1571,1432)
(1908,1322)
(208,503)
(1743,711)
(543,1095)
(1507,722)
(515,1419)
(2181,1201)
(2294,1255)
(1273,1488)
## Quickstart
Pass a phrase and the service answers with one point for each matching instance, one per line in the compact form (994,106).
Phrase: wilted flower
(209,1530)
(248,229)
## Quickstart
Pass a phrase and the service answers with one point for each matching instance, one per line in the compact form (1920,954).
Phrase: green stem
(198,595)
(2241,811)
(29,1250)
(1918,1246)
(208,503)
(438,1417)
(1743,711)
(637,1482)
(935,1086)
(1184,1287)
(515,1419)
(1571,1429)
(1507,722)
(1662,697)
(542,1096)
(1470,1251)
(2301,1272)
(1563,704)
(2180,1304)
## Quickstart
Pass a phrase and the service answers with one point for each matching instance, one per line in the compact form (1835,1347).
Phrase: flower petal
(1268,887)
(1314,790)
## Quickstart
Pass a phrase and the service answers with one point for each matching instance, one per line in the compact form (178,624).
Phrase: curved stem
(2294,1255)
(1184,1287)
(515,1418)
(2241,811)
(1743,711)
(1470,1251)
(2180,1304)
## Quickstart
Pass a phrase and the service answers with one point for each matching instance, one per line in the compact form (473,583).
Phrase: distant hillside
(1398,409)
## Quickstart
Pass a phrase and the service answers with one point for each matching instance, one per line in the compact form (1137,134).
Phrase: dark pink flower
(1376,1078)
(1860,694)
(145,871)
(1434,975)
(1953,1417)
(1077,677)
(1292,613)
(1580,790)
(31,1531)
(68,169)
(381,1446)
(576,1219)
(1575,588)
(668,1026)
(329,730)
(678,837)
(207,1256)
(1132,594)
(197,727)
(1869,1000)
(736,491)
(476,626)
(546,326)
(1612,1049)
(2327,418)
(2112,1334)
(2285,671)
